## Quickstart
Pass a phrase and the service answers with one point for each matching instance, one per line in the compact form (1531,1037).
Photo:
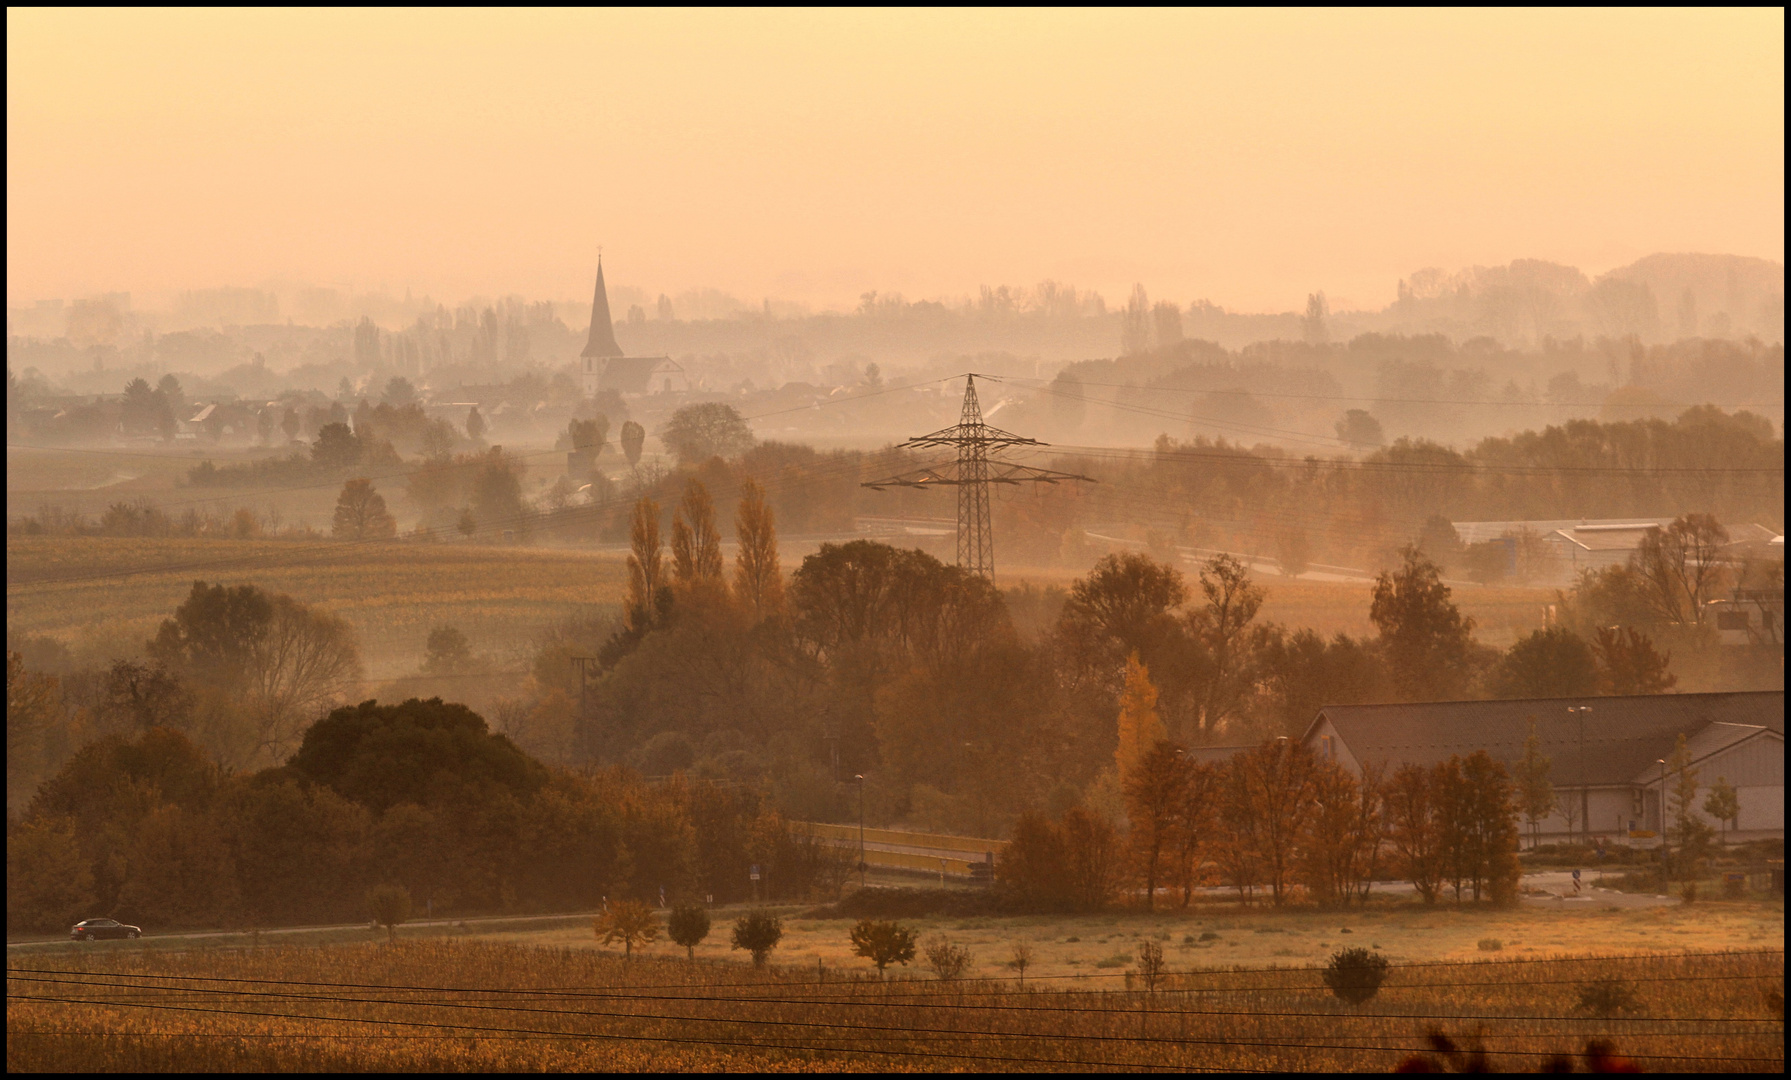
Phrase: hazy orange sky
(1244,157)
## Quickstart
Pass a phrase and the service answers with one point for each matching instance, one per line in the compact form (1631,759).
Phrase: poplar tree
(696,546)
(758,583)
(646,565)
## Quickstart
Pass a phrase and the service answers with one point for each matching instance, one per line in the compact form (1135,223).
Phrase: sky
(1243,157)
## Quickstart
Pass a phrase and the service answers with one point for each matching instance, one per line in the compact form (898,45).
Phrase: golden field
(467,1005)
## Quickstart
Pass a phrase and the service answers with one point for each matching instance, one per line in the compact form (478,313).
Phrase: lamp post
(859,780)
(1585,802)
(1666,884)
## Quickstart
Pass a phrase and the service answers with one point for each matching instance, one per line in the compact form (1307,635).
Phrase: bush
(948,961)
(758,933)
(389,905)
(1608,997)
(1355,975)
(1491,944)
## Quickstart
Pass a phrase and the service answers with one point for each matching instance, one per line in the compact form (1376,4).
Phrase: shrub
(1020,958)
(689,925)
(1150,964)
(1491,944)
(1208,935)
(758,933)
(1355,975)
(948,961)
(883,943)
(1608,997)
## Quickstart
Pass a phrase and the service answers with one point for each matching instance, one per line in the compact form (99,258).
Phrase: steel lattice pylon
(971,474)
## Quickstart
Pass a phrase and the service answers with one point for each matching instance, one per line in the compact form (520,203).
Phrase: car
(92,929)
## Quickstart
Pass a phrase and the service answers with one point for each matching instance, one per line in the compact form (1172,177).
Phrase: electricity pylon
(972,474)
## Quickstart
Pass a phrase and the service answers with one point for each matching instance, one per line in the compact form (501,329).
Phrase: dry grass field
(458,1005)
(112,593)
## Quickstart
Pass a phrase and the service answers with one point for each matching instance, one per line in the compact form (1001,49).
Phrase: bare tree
(1681,567)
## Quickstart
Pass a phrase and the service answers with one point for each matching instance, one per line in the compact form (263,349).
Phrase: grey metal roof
(1623,735)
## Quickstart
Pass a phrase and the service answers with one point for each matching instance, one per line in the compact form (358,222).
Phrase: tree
(389,905)
(1140,728)
(1535,791)
(336,447)
(1122,606)
(696,433)
(1360,431)
(361,514)
(629,922)
(1689,833)
(633,438)
(689,925)
(883,943)
(430,753)
(1723,804)
(1155,789)
(1427,640)
(646,567)
(1412,828)
(497,492)
(475,425)
(1020,958)
(1312,326)
(1553,662)
(1222,627)
(139,697)
(33,710)
(758,932)
(1681,567)
(1629,664)
(447,652)
(1092,858)
(1491,828)
(1277,786)
(1192,833)
(399,392)
(1293,551)
(758,581)
(290,423)
(49,882)
(696,546)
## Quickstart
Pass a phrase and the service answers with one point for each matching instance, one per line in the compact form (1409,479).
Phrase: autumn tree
(758,932)
(1628,663)
(497,492)
(630,922)
(1140,728)
(646,567)
(361,514)
(1155,788)
(1690,836)
(34,708)
(1412,829)
(1277,785)
(696,546)
(447,652)
(1548,663)
(1426,639)
(1194,824)
(141,696)
(475,425)
(758,582)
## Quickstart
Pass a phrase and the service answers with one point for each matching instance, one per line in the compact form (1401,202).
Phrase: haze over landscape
(471,519)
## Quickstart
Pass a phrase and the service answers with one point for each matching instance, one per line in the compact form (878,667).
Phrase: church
(605,368)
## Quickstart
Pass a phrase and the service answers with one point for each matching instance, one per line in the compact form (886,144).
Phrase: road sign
(754,875)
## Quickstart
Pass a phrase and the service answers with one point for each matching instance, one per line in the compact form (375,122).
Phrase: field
(449,1004)
(106,593)
(111,593)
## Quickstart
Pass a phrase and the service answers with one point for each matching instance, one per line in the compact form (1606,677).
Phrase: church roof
(602,342)
(634,374)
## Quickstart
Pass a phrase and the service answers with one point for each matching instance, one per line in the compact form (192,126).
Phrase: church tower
(601,346)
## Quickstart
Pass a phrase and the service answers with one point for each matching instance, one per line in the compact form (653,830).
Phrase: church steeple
(602,343)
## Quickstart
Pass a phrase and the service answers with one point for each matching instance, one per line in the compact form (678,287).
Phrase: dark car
(103,928)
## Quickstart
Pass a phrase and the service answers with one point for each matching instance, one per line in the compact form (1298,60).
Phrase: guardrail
(930,853)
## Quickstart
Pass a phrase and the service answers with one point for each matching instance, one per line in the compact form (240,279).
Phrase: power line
(1155,389)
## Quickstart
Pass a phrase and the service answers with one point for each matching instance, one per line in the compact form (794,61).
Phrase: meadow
(447,1004)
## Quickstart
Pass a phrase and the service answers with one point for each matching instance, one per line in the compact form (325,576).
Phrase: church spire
(602,343)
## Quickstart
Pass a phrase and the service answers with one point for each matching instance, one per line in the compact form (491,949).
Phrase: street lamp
(1585,808)
(859,780)
(1666,884)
